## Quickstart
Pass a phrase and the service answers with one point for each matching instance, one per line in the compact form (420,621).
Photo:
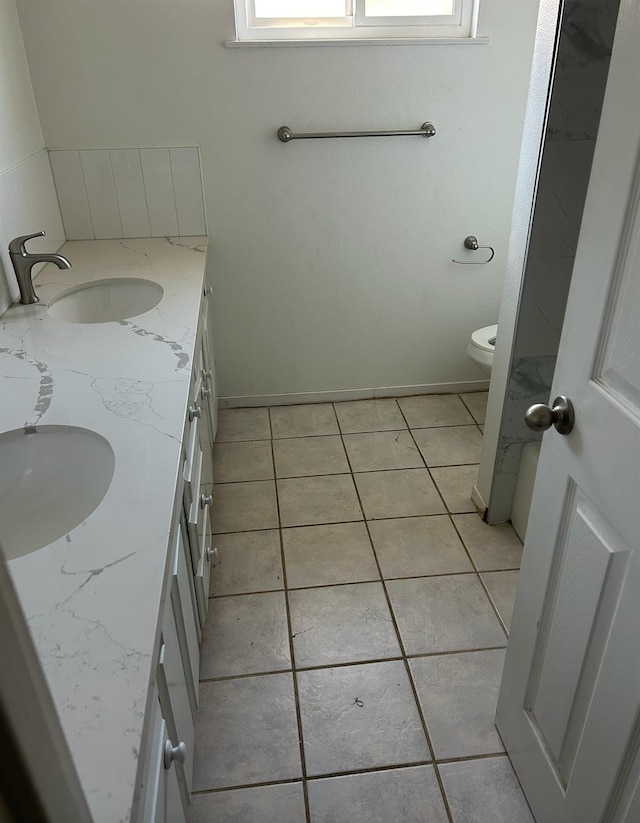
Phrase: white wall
(27,197)
(20,133)
(332,258)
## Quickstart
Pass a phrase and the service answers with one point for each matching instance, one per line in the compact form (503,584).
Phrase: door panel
(569,706)
(578,616)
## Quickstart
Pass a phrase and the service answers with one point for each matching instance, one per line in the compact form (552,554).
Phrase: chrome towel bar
(286,135)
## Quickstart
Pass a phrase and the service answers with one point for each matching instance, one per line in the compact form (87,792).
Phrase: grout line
(291,781)
(343,522)
(468,553)
(271,479)
(481,581)
(468,408)
(371,520)
(370,770)
(360,581)
(487,756)
(402,648)
(352,663)
(115,195)
(340,433)
(296,694)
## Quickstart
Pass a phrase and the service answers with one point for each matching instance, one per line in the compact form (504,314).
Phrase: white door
(569,707)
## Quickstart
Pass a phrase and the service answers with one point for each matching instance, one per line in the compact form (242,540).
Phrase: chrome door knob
(206,500)
(540,417)
(174,754)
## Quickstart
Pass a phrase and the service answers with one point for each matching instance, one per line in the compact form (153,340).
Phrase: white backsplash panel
(28,204)
(110,193)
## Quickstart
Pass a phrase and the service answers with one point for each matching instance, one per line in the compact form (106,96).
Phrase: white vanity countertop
(92,598)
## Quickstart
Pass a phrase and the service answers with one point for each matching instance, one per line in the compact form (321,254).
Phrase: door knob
(561,415)
(174,754)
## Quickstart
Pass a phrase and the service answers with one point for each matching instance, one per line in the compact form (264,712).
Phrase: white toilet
(482,347)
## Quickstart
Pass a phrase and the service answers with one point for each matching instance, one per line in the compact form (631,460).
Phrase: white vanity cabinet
(164,799)
(168,754)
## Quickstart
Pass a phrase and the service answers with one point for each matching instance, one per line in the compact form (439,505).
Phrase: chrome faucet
(23,262)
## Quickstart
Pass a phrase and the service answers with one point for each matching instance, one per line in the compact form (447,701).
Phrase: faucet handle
(17,245)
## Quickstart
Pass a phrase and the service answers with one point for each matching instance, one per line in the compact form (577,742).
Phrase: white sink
(51,479)
(103,301)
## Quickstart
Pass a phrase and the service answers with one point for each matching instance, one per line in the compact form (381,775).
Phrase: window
(401,20)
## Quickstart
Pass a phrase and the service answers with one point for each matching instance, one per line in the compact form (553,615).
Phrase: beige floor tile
(484,790)
(502,588)
(237,741)
(449,446)
(455,484)
(417,546)
(442,614)
(377,451)
(326,555)
(307,501)
(403,493)
(369,416)
(409,795)
(243,424)
(247,562)
(476,402)
(341,624)
(245,634)
(434,410)
(239,507)
(309,456)
(303,421)
(359,717)
(458,694)
(491,547)
(242,461)
(282,803)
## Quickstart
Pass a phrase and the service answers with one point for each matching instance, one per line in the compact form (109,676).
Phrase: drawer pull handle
(206,501)
(194,411)
(211,554)
(205,392)
(177,754)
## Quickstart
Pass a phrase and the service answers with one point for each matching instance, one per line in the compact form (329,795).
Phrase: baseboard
(245,401)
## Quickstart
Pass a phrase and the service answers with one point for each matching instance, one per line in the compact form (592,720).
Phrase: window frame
(355,26)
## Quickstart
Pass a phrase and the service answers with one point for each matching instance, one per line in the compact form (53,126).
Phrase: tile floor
(359,614)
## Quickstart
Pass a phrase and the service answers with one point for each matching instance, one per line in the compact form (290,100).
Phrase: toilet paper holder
(471,243)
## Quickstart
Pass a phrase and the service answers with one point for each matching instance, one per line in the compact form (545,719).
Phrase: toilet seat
(484,339)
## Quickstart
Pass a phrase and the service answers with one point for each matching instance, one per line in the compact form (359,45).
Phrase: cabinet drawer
(209,380)
(193,443)
(174,696)
(165,800)
(187,614)
(203,573)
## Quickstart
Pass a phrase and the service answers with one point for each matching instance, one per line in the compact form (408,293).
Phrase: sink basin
(51,479)
(103,301)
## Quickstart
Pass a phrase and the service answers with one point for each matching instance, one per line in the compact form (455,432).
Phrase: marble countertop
(92,598)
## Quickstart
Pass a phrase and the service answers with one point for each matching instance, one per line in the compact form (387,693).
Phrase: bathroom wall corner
(522,211)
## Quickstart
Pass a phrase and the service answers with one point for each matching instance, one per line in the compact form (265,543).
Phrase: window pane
(407,8)
(300,8)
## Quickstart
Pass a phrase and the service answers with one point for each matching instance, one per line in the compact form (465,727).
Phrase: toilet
(482,347)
